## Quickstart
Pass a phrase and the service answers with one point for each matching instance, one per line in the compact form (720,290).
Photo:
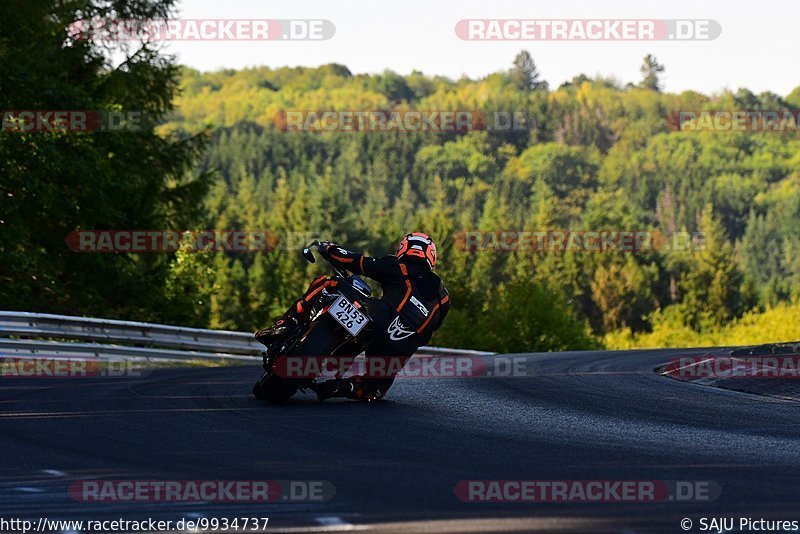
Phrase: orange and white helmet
(418,245)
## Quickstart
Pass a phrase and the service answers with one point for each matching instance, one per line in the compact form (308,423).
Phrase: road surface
(589,416)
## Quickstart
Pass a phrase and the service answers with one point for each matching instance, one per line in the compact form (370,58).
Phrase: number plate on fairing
(347,315)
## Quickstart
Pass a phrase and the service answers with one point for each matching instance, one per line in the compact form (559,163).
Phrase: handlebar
(309,256)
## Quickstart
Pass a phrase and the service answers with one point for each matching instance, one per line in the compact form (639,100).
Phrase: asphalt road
(395,464)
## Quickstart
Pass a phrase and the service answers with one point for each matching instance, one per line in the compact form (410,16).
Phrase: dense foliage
(595,155)
(599,156)
(52,183)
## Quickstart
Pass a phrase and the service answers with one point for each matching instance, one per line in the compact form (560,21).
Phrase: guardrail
(37,335)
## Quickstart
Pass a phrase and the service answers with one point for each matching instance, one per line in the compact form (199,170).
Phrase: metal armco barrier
(44,335)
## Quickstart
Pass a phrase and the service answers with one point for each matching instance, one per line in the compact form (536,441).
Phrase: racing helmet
(419,246)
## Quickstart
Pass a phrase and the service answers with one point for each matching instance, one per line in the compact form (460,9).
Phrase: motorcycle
(339,325)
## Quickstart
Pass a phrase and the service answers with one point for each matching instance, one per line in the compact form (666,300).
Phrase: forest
(595,155)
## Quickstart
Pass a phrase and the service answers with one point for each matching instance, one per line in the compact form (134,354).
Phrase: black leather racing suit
(412,307)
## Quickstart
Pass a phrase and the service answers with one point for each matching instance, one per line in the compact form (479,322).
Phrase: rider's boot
(335,387)
(277,332)
(350,388)
(298,313)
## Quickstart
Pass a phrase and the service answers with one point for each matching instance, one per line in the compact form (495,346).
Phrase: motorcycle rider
(413,306)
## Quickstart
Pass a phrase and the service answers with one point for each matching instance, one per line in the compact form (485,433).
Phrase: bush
(520,316)
(778,324)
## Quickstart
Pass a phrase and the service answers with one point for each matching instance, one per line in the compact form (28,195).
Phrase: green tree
(524,74)
(189,286)
(793,98)
(712,288)
(53,183)
(623,292)
(394,87)
(228,311)
(527,317)
(651,71)
(258,298)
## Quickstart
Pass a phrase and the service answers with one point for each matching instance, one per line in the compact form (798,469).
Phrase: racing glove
(324,248)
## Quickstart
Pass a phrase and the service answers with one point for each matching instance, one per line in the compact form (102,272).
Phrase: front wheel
(321,339)
(264,384)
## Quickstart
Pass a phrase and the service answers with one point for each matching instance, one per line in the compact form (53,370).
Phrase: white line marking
(28,489)
(331,521)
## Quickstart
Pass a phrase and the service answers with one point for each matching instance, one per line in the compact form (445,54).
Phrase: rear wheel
(320,340)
